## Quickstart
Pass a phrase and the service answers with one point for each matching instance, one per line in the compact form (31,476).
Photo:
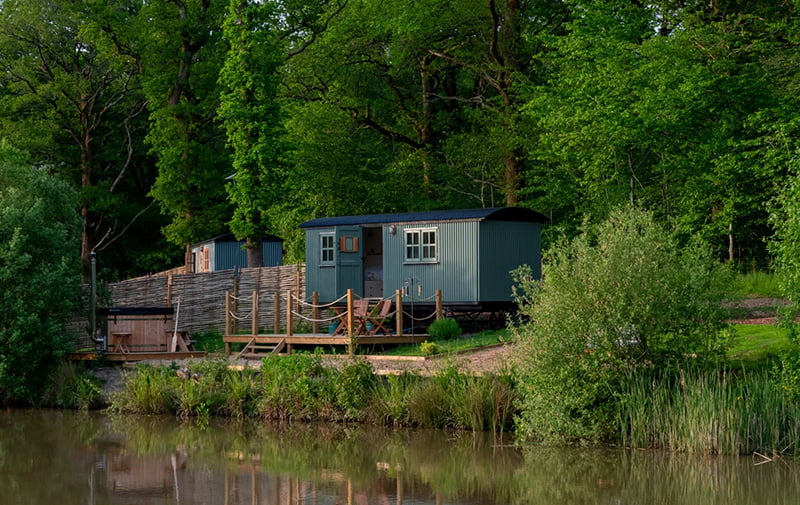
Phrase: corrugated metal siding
(273,254)
(456,273)
(227,255)
(504,246)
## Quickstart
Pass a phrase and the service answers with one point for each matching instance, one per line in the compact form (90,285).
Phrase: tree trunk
(255,252)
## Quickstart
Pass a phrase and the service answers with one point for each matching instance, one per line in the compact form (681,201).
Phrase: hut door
(349,265)
(373,262)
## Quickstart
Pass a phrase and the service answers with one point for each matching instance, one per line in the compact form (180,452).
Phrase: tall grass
(755,284)
(449,399)
(146,390)
(300,387)
(709,413)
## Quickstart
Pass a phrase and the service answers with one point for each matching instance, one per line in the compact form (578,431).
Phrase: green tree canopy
(250,114)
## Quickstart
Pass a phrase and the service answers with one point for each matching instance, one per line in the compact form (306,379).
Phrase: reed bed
(300,387)
(709,412)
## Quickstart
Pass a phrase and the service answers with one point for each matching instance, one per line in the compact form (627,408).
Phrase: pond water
(64,458)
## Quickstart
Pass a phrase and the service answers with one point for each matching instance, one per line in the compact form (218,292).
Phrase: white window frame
(327,253)
(421,245)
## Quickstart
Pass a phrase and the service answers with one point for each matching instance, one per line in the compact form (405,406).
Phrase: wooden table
(121,341)
(178,340)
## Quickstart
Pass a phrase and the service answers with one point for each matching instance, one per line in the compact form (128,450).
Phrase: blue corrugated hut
(468,254)
(225,252)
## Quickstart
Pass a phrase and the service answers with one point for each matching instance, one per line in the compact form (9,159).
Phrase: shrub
(295,386)
(445,328)
(72,387)
(354,388)
(240,391)
(428,348)
(615,298)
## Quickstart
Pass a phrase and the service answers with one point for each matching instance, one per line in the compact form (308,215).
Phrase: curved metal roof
(494,214)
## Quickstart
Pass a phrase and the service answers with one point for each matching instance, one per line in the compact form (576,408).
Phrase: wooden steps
(254,349)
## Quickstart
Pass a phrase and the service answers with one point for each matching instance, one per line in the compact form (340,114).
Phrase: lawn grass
(755,285)
(464,343)
(757,344)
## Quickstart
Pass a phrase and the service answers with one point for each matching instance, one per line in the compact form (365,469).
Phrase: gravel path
(491,359)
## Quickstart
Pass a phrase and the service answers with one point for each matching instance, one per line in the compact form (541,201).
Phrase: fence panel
(202,295)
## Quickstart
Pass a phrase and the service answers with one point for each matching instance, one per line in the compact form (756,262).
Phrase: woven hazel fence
(202,295)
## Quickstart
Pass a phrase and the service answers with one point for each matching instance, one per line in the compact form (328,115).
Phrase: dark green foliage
(72,387)
(786,373)
(621,296)
(295,387)
(39,275)
(355,387)
(445,328)
(181,50)
(209,341)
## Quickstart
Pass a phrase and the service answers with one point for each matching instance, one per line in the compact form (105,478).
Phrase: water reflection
(65,458)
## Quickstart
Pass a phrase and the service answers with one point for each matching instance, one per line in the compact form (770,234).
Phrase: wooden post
(350,344)
(228,327)
(297,285)
(235,303)
(439,307)
(289,314)
(314,312)
(398,315)
(228,312)
(254,326)
(276,318)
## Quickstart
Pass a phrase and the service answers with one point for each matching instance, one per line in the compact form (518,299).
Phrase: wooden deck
(285,342)
(134,356)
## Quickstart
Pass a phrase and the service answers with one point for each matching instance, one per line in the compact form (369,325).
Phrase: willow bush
(39,275)
(616,298)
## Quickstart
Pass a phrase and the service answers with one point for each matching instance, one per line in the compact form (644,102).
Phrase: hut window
(326,248)
(421,245)
(348,244)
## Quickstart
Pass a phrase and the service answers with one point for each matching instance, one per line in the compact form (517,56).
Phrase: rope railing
(411,316)
(289,308)
(324,320)
(426,299)
(319,305)
(242,317)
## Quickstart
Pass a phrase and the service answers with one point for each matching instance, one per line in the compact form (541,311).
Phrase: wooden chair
(360,313)
(380,315)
